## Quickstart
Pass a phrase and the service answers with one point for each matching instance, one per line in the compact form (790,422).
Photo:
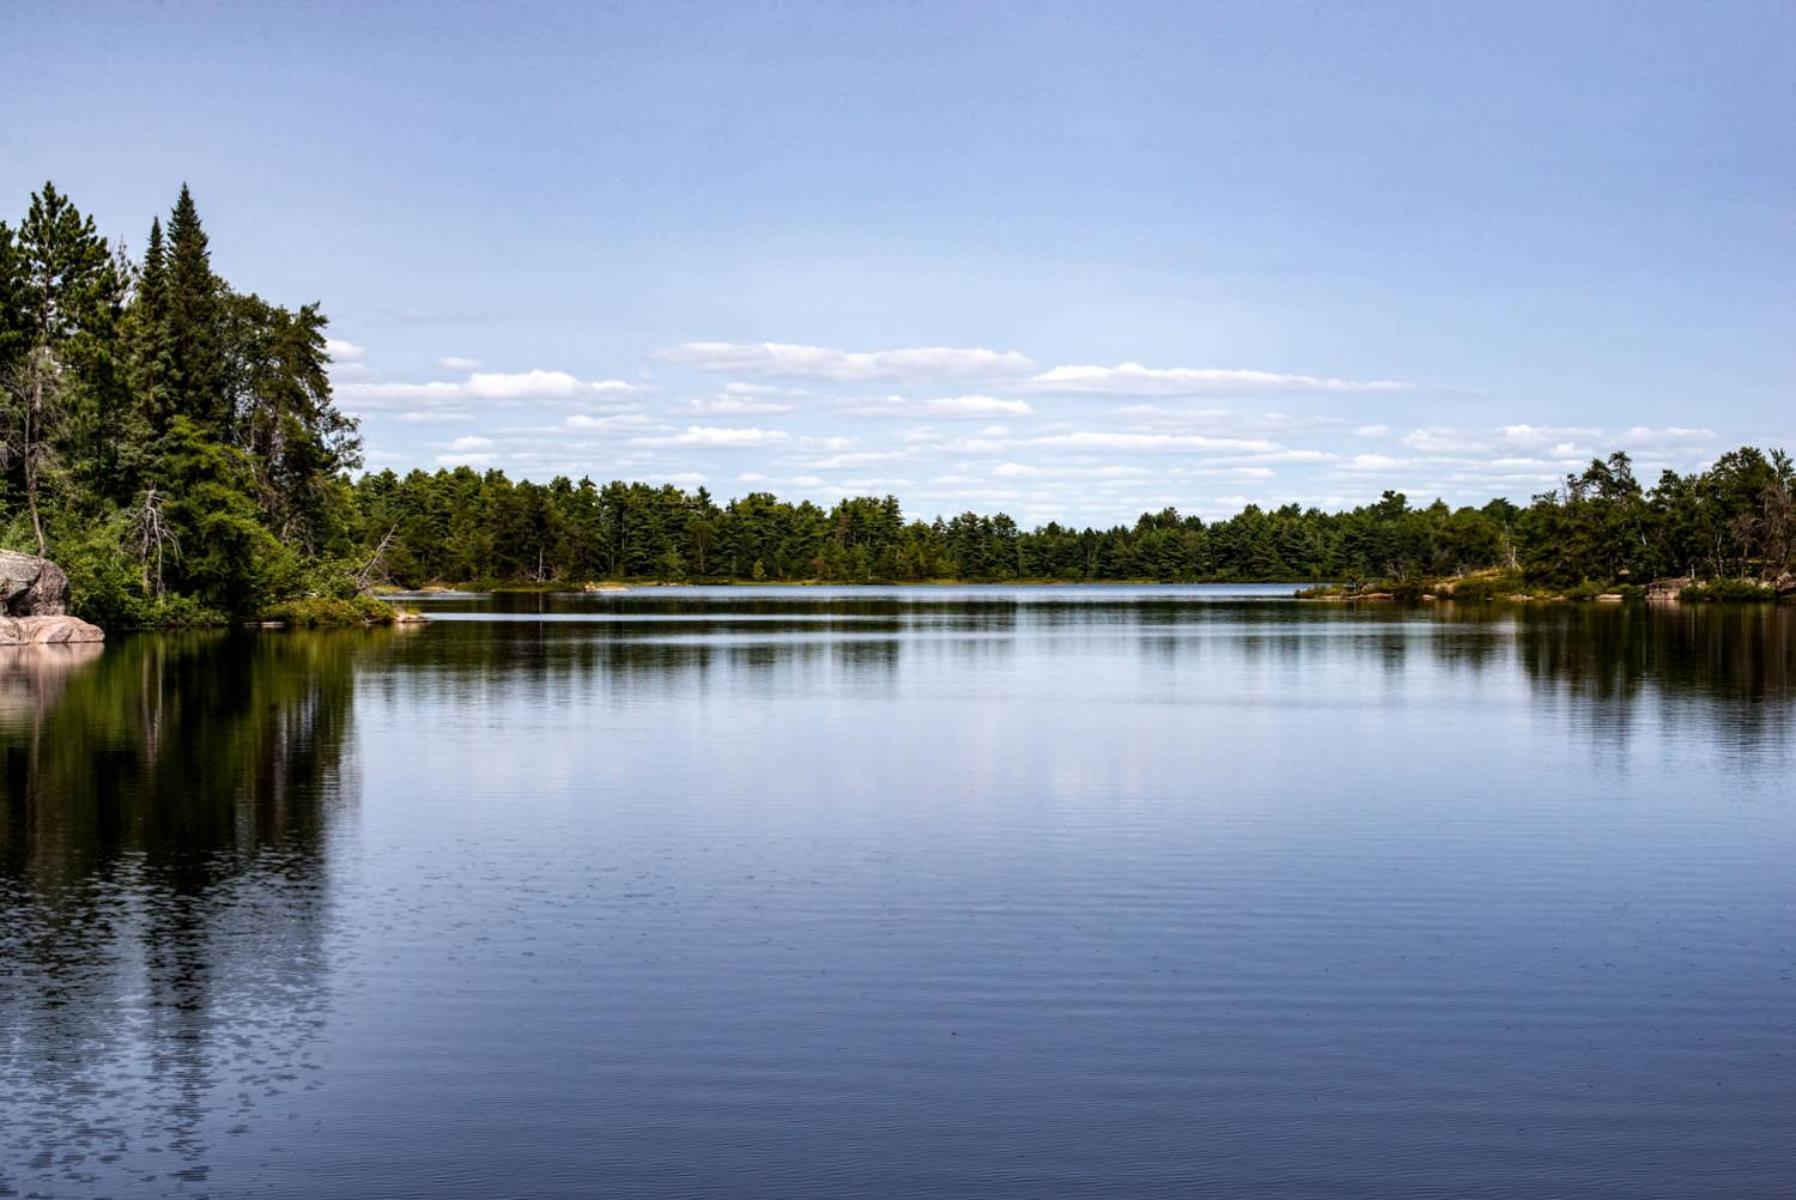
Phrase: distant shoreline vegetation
(1601,531)
(174,445)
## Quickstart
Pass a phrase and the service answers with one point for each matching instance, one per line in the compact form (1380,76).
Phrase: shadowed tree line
(174,444)
(1737,518)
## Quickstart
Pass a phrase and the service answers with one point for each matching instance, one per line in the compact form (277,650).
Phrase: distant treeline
(173,443)
(1737,518)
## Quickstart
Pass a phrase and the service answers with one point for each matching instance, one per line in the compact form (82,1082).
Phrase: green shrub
(1729,591)
(1481,588)
(178,612)
(314,612)
(105,584)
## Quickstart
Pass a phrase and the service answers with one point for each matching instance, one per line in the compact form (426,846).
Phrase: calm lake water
(916,892)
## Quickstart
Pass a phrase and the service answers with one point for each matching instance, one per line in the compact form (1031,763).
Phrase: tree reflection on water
(163,809)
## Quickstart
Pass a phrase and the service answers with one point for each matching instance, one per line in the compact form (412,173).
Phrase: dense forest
(1737,518)
(169,440)
(173,443)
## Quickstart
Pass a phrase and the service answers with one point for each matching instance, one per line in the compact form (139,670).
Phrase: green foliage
(328,611)
(174,441)
(1731,591)
(466,526)
(1487,586)
(229,560)
(105,584)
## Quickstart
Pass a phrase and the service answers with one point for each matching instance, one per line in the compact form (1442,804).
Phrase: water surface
(924,892)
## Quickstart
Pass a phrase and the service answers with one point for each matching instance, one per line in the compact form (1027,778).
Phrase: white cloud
(537,384)
(1100,440)
(1281,454)
(466,460)
(588,422)
(855,458)
(977,406)
(1548,435)
(1013,470)
(1549,446)
(787,360)
(1133,379)
(450,362)
(727,403)
(955,407)
(341,351)
(498,386)
(716,437)
(469,443)
(1440,440)
(432,416)
(1372,431)
(1642,435)
(1375,462)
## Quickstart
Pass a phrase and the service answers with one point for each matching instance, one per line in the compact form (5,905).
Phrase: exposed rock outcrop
(1786,586)
(32,586)
(47,631)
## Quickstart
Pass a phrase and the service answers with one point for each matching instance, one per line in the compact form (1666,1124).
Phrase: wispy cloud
(535,384)
(952,407)
(1133,379)
(1015,470)
(1095,439)
(715,437)
(793,361)
(1669,435)
(733,404)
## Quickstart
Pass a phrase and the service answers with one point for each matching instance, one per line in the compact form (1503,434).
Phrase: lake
(810,892)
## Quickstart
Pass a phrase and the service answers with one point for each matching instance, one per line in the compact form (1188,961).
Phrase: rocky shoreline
(34,599)
(47,631)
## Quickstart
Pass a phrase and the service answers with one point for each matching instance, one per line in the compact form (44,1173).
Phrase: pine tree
(65,268)
(152,369)
(65,289)
(14,325)
(194,325)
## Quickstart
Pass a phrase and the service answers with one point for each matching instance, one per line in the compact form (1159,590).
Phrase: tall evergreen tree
(14,324)
(152,356)
(193,324)
(67,269)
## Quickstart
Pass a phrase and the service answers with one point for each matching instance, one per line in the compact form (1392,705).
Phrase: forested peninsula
(172,442)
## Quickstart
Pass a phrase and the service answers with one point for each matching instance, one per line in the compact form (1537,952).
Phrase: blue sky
(1069,261)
